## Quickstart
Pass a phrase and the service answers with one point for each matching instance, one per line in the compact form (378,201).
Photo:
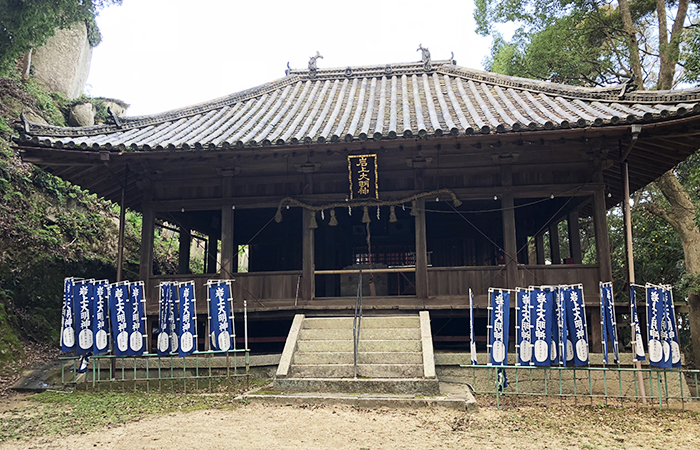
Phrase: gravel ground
(260,426)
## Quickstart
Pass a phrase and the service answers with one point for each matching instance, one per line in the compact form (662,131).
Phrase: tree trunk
(669,48)
(632,43)
(681,216)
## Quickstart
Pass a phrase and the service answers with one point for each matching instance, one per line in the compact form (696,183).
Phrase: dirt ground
(259,426)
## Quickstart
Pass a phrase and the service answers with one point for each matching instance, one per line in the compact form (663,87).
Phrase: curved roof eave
(375,103)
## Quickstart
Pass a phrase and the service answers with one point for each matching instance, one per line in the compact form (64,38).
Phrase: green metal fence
(146,369)
(671,388)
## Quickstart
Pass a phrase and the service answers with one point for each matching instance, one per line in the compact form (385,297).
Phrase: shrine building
(432,178)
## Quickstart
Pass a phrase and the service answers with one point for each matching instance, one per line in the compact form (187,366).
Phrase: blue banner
(220,315)
(67,322)
(562,327)
(498,333)
(555,344)
(472,343)
(669,328)
(100,326)
(188,319)
(543,307)
(173,318)
(637,339)
(137,324)
(655,316)
(609,321)
(524,327)
(83,291)
(118,295)
(576,318)
(164,310)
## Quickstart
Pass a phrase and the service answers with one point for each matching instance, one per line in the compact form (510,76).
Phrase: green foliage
(577,42)
(51,105)
(691,54)
(26,24)
(10,346)
(49,229)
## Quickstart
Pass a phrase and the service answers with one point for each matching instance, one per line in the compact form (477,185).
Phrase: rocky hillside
(49,229)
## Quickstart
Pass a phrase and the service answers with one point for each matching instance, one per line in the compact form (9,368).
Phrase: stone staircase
(395,355)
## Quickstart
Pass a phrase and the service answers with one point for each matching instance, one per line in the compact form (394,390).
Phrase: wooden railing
(456,281)
(586,274)
(253,287)
(261,289)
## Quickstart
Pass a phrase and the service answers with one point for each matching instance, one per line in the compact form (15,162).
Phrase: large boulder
(82,115)
(63,63)
(118,107)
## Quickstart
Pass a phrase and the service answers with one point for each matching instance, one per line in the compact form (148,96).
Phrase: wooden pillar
(183,266)
(122,226)
(421,252)
(627,213)
(510,245)
(601,235)
(329,244)
(539,247)
(308,279)
(212,250)
(554,243)
(146,260)
(523,257)
(227,250)
(574,237)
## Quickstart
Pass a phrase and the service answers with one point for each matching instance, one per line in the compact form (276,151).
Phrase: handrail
(351,271)
(356,324)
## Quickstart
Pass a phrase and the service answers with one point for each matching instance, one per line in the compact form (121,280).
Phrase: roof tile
(376,102)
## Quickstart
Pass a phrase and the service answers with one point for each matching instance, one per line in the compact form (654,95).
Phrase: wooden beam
(509,231)
(227,250)
(122,227)
(184,253)
(308,280)
(574,237)
(539,248)
(601,235)
(212,252)
(421,252)
(146,260)
(554,242)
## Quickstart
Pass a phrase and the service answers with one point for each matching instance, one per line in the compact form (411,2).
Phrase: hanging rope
(364,203)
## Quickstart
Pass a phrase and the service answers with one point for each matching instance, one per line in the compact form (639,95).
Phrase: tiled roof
(376,102)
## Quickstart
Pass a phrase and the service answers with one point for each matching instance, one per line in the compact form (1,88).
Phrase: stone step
(386,334)
(364,346)
(363,370)
(365,401)
(367,322)
(419,386)
(362,358)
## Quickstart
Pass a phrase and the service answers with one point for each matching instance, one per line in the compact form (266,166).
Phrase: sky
(158,55)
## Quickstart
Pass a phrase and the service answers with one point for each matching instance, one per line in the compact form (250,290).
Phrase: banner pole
(489,308)
(211,341)
(603,330)
(627,213)
(518,331)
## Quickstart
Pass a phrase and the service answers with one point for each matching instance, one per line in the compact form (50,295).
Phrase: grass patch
(58,414)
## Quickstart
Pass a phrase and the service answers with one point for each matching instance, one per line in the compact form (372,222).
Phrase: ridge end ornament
(425,57)
(313,68)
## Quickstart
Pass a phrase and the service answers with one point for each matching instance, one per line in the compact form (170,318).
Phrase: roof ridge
(129,122)
(621,104)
